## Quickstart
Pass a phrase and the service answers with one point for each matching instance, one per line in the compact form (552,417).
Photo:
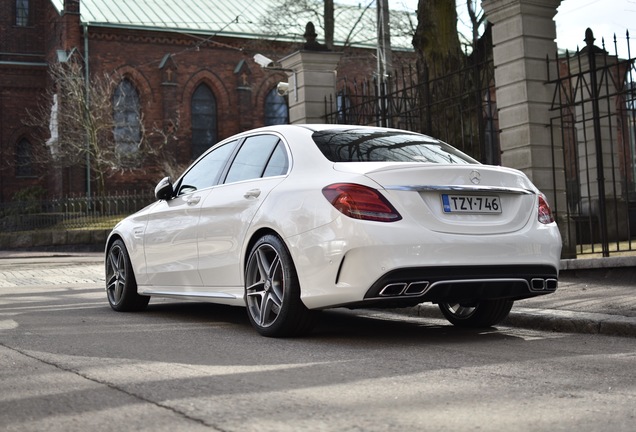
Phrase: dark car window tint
(362,145)
(277,164)
(250,160)
(206,172)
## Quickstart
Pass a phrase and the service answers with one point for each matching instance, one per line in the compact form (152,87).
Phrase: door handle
(193,200)
(252,193)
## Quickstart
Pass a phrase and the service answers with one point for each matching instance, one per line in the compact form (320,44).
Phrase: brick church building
(178,63)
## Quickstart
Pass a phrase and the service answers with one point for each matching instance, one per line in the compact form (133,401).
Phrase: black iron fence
(72,212)
(593,116)
(458,108)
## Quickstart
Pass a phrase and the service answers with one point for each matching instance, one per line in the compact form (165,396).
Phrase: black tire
(121,286)
(272,291)
(486,313)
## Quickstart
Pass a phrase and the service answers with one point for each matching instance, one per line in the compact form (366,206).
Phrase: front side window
(127,118)
(24,159)
(22,13)
(276,111)
(206,172)
(370,145)
(204,121)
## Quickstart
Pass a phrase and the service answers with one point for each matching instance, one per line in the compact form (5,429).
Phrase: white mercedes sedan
(289,220)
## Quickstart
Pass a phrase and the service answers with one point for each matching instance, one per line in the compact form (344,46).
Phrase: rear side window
(278,163)
(372,145)
(259,156)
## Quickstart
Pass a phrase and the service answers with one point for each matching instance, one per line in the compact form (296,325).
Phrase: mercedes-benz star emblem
(475,177)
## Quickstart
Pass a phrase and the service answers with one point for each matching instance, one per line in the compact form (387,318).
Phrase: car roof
(314,127)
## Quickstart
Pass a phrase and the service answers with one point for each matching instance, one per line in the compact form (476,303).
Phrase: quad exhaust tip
(420,287)
(540,284)
(404,289)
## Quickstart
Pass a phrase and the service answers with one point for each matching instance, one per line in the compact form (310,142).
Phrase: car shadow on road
(336,325)
(198,312)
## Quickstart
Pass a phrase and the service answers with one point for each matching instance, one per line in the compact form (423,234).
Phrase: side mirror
(163,190)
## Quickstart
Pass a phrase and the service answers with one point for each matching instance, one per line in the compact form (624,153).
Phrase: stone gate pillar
(312,77)
(524,35)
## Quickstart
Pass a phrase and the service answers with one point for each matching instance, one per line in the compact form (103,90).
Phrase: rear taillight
(545,214)
(360,202)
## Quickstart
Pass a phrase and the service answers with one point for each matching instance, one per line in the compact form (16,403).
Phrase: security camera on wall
(263,61)
(282,88)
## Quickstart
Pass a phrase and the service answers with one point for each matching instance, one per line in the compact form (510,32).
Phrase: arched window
(276,111)
(22,13)
(204,122)
(126,114)
(24,159)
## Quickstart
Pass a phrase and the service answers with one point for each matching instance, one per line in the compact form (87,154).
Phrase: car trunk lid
(458,199)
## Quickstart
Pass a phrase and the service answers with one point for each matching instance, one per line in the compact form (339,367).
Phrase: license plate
(471,204)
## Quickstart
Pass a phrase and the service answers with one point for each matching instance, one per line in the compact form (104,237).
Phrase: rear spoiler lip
(461,188)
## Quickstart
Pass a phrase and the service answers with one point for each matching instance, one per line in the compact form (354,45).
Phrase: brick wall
(165,84)
(22,81)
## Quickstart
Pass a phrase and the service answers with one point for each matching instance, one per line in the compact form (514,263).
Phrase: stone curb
(552,320)
(598,263)
(53,239)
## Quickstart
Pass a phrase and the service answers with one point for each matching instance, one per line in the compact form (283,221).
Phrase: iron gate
(594,111)
(458,108)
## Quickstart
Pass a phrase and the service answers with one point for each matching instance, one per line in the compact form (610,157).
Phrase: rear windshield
(368,145)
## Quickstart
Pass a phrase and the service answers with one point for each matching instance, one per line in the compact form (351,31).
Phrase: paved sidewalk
(594,296)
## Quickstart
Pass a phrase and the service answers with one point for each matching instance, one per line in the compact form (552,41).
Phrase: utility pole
(385,60)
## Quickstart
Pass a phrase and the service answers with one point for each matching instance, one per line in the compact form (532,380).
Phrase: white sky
(604,17)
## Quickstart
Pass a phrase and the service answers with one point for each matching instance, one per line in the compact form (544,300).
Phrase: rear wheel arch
(256,236)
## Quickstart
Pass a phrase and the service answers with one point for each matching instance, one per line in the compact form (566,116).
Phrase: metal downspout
(86,96)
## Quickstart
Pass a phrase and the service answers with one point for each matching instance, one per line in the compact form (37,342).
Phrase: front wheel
(121,285)
(272,291)
(485,313)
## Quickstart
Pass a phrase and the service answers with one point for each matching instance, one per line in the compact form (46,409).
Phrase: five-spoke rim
(265,284)
(115,274)
(459,310)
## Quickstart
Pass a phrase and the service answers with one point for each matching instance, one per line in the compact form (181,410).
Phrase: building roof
(250,19)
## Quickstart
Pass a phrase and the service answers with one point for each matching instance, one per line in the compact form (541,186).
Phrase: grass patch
(623,248)
(88,223)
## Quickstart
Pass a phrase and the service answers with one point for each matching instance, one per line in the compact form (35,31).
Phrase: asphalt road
(70,363)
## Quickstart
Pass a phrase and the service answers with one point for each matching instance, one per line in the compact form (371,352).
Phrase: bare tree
(91,123)
(79,117)
(320,12)
(477,19)
(455,83)
(436,41)
(88,126)
(162,147)
(278,23)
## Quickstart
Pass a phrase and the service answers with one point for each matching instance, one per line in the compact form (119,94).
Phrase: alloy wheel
(121,284)
(265,285)
(115,274)
(460,311)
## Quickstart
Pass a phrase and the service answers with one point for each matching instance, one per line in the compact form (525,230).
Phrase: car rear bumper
(466,285)
(363,264)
